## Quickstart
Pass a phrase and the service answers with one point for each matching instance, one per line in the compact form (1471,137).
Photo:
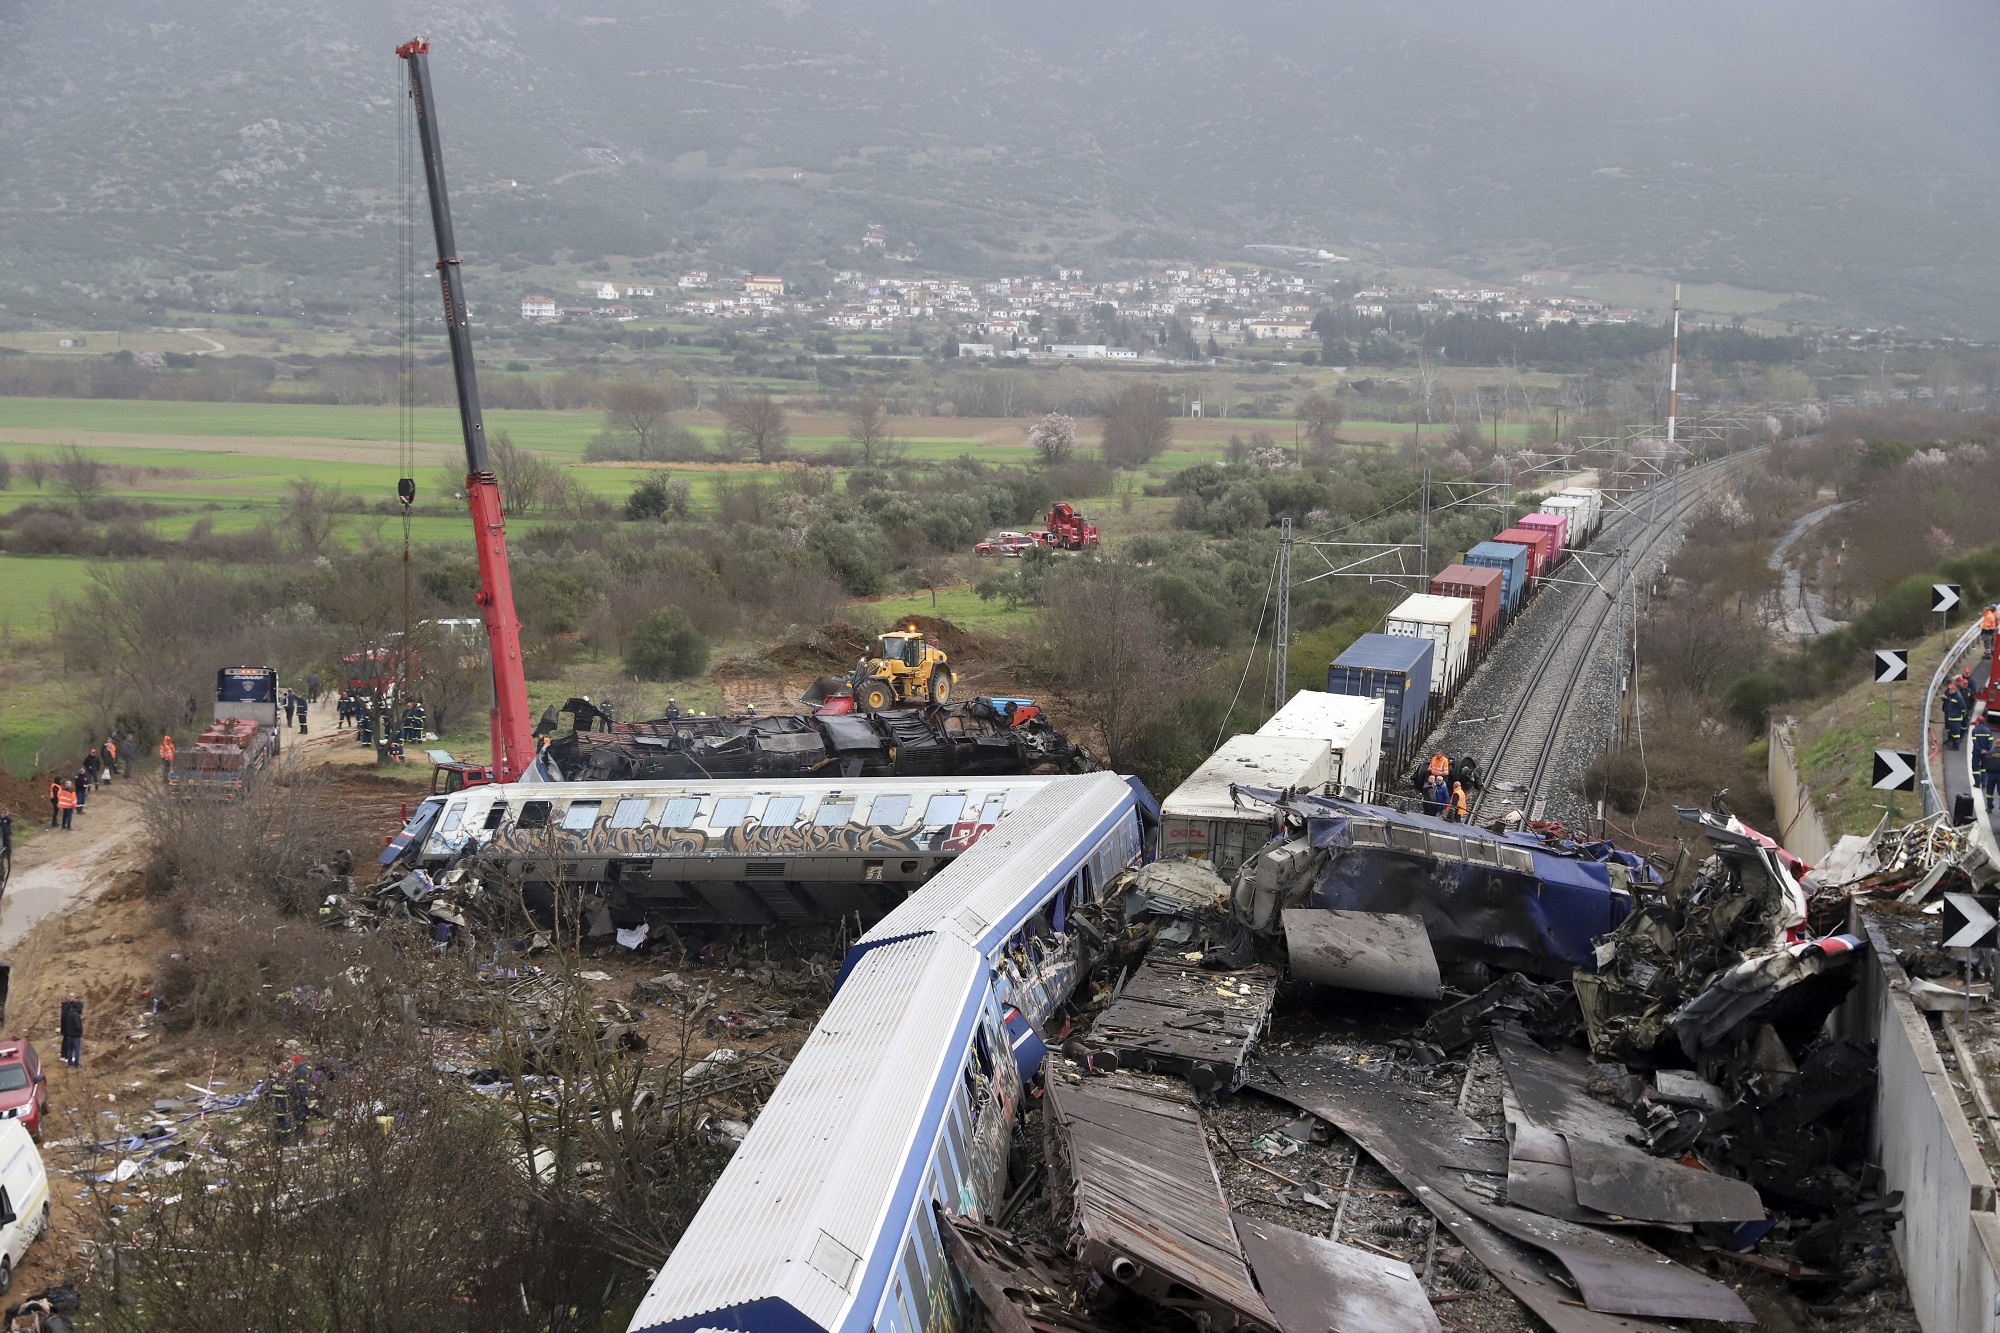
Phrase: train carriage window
(680,812)
(781,810)
(581,817)
(454,813)
(944,809)
(832,814)
(496,814)
(1446,844)
(923,1227)
(630,812)
(534,814)
(889,811)
(729,813)
(1517,858)
(913,1279)
(1408,839)
(995,807)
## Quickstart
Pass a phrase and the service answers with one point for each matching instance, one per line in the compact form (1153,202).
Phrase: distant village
(1045,316)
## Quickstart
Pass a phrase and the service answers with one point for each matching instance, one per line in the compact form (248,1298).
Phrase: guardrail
(1927,788)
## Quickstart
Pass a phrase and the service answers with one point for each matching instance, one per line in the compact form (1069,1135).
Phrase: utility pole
(1281,648)
(1674,372)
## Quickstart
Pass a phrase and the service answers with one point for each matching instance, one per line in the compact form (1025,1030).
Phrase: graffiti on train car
(750,839)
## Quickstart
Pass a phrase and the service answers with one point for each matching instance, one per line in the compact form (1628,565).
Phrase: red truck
(223,757)
(1069,530)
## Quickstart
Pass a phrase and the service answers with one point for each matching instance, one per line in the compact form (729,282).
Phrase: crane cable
(406,376)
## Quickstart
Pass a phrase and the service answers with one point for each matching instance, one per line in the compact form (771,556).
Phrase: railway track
(1518,763)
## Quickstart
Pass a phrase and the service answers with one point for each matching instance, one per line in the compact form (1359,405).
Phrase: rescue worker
(66,802)
(1989,621)
(673,709)
(1954,719)
(312,686)
(1440,767)
(55,802)
(1461,808)
(289,1100)
(109,768)
(1989,776)
(1982,743)
(167,757)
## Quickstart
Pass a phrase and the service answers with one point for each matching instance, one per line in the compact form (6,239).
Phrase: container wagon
(1480,585)
(1512,562)
(1397,670)
(1540,547)
(1558,529)
(1593,504)
(1447,623)
(1576,512)
(1203,818)
(1352,728)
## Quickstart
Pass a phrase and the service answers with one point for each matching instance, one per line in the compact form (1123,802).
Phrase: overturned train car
(971,738)
(1507,900)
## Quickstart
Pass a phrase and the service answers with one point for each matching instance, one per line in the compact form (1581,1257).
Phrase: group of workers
(1962,707)
(1444,794)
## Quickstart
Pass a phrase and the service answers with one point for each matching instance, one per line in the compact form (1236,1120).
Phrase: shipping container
(1202,817)
(1351,726)
(1512,562)
(1557,527)
(1396,670)
(1541,545)
(1593,500)
(1575,511)
(1447,623)
(1482,585)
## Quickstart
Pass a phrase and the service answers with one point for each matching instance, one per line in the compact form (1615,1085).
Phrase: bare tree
(756,425)
(1117,658)
(1427,380)
(868,428)
(312,514)
(526,478)
(639,410)
(1053,438)
(79,476)
(1137,428)
(1321,417)
(36,469)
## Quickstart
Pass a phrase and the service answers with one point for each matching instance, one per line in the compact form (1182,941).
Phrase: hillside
(1792,155)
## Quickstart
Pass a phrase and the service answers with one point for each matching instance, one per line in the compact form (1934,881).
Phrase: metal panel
(1377,952)
(1177,1018)
(1130,1169)
(1313,1285)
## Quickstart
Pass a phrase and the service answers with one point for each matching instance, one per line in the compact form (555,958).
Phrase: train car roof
(799,1231)
(981,895)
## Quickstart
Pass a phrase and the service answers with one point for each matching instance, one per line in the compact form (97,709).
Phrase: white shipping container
(1447,623)
(1202,819)
(1350,724)
(1594,499)
(1574,508)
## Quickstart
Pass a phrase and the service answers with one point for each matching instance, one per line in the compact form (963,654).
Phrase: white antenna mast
(1674,372)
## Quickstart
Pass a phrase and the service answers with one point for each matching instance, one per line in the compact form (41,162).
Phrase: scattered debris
(1313,1285)
(1173,1017)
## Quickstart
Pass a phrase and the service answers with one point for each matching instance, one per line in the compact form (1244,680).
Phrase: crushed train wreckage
(979,737)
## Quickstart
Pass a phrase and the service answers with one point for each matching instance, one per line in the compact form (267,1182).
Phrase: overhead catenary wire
(1249,658)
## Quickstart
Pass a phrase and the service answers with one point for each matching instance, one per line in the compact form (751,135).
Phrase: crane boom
(513,729)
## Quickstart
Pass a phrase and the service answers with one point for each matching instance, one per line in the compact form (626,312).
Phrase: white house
(607,291)
(693,281)
(975,349)
(539,307)
(1078,351)
(638,291)
(766,285)
(1278,328)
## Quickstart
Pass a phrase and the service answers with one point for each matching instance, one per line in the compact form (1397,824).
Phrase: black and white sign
(1891,664)
(1967,923)
(1944,596)
(1895,770)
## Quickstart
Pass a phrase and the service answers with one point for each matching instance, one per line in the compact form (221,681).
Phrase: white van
(24,1197)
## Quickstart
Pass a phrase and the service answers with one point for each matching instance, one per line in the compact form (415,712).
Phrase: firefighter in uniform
(1954,719)
(1989,776)
(1982,743)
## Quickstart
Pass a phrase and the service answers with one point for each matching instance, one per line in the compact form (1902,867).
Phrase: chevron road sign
(1895,770)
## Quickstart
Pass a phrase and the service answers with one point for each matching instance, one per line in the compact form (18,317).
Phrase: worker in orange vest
(167,758)
(55,802)
(66,801)
(1461,808)
(1989,621)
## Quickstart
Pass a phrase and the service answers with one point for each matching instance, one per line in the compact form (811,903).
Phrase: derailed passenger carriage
(785,852)
(902,1101)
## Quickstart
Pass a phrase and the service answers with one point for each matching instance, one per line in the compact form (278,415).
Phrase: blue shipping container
(1511,561)
(1394,668)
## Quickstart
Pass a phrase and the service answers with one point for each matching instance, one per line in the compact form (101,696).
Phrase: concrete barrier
(1799,830)
(1949,1239)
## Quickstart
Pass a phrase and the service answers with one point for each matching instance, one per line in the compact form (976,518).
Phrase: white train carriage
(902,1101)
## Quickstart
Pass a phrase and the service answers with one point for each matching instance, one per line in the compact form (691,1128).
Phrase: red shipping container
(1554,523)
(1480,585)
(1540,543)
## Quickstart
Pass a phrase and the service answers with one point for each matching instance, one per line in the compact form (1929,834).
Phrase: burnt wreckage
(977,737)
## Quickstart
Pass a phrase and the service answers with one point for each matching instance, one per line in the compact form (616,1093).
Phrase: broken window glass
(451,817)
(534,814)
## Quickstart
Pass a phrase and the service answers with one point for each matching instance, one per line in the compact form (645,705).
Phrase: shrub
(1750,698)
(665,646)
(656,496)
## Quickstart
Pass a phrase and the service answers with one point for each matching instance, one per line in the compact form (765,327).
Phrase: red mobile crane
(513,729)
